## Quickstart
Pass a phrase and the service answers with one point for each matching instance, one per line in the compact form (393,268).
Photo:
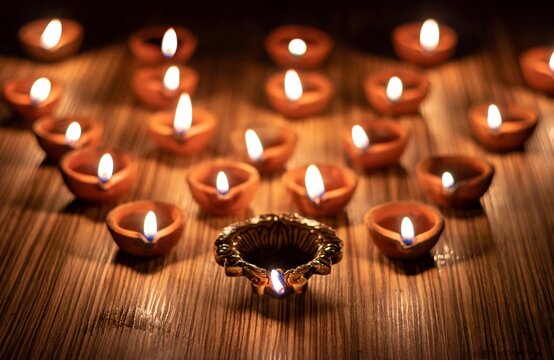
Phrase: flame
(407,231)
(314,183)
(447,180)
(221,183)
(551,62)
(297,47)
(105,168)
(293,85)
(494,119)
(169,43)
(172,78)
(183,115)
(277,281)
(253,145)
(359,137)
(394,89)
(429,35)
(40,90)
(150,225)
(51,35)
(72,133)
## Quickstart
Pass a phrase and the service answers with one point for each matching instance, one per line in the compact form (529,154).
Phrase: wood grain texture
(486,291)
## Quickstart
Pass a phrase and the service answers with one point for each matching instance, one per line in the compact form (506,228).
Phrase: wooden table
(486,290)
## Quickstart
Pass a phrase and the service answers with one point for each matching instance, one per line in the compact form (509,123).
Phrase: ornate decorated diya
(278,253)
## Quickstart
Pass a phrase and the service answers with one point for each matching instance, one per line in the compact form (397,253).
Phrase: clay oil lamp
(297,95)
(298,46)
(396,92)
(32,99)
(223,187)
(537,67)
(502,128)
(51,39)
(159,87)
(424,44)
(454,181)
(403,229)
(375,144)
(185,131)
(59,136)
(146,228)
(266,147)
(98,176)
(265,249)
(320,190)
(160,44)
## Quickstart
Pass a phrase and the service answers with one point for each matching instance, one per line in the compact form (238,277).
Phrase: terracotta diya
(267,147)
(396,91)
(375,144)
(265,249)
(159,87)
(159,44)
(58,136)
(223,187)
(51,39)
(424,44)
(537,67)
(454,181)
(320,190)
(32,99)
(502,128)
(146,228)
(404,229)
(300,94)
(298,46)
(185,131)
(98,176)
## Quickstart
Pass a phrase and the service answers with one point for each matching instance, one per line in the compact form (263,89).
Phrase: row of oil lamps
(224,187)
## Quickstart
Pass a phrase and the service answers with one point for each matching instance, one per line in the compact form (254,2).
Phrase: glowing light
(297,47)
(105,168)
(72,133)
(169,43)
(40,90)
(183,115)
(494,119)
(359,137)
(394,89)
(51,35)
(253,145)
(221,183)
(551,62)
(429,35)
(407,231)
(277,281)
(314,183)
(172,78)
(447,180)
(150,226)
(293,85)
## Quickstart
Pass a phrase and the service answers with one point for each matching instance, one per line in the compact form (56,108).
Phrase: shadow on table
(411,267)
(96,213)
(310,304)
(145,265)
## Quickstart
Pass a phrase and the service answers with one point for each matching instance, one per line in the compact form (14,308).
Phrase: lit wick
(72,133)
(359,137)
(551,62)
(40,90)
(394,89)
(254,146)
(314,184)
(51,35)
(297,47)
(293,85)
(494,119)
(183,115)
(150,226)
(429,35)
(407,231)
(221,183)
(171,78)
(169,43)
(448,182)
(105,168)
(277,280)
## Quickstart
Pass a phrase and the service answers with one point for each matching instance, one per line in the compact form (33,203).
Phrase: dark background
(231,26)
